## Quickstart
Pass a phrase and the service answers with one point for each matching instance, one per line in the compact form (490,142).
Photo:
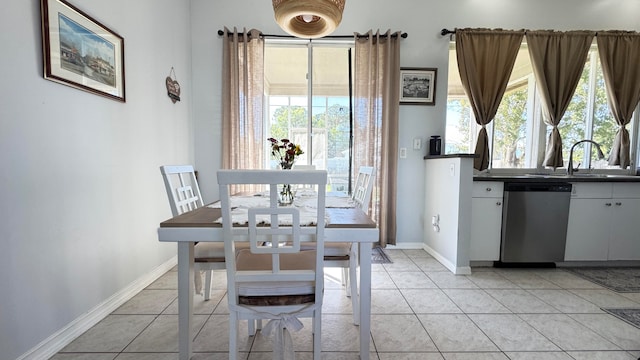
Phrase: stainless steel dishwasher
(534,223)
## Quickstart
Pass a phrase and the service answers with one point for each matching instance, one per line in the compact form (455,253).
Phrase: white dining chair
(273,279)
(344,254)
(184,195)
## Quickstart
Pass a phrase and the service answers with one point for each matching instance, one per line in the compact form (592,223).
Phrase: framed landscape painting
(80,52)
(418,86)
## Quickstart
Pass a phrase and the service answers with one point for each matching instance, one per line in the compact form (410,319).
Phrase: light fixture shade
(308,18)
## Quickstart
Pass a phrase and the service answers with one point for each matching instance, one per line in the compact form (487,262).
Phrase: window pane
(509,130)
(604,124)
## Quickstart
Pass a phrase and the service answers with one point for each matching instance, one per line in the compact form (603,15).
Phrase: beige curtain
(619,53)
(376,99)
(243,135)
(485,61)
(557,59)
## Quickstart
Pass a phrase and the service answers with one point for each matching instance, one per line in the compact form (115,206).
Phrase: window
(324,131)
(518,135)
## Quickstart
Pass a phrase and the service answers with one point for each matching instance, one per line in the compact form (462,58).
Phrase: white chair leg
(207,285)
(233,335)
(197,279)
(353,279)
(346,280)
(317,331)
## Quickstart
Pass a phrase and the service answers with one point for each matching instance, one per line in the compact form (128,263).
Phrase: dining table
(349,224)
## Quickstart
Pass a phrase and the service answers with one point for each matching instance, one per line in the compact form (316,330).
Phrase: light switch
(403,153)
(417,143)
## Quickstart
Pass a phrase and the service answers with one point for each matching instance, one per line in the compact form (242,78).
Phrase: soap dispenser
(435,145)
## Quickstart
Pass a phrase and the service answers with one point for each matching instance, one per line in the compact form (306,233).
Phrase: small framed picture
(418,86)
(80,52)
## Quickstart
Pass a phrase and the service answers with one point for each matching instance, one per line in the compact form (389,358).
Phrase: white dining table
(344,225)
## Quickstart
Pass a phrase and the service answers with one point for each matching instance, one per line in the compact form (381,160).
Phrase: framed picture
(418,86)
(80,52)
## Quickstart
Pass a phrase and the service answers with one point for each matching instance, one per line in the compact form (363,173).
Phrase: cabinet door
(486,220)
(624,243)
(588,230)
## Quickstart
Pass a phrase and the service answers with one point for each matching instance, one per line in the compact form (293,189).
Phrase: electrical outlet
(452,170)
(403,153)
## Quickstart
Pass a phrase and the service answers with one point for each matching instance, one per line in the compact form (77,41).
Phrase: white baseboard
(458,270)
(63,337)
(406,246)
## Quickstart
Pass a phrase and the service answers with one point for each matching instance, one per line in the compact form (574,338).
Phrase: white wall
(424,47)
(81,194)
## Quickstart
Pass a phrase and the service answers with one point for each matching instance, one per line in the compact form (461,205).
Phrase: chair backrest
(364,187)
(303,167)
(274,232)
(182,188)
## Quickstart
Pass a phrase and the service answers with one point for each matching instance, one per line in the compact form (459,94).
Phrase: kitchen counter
(557,178)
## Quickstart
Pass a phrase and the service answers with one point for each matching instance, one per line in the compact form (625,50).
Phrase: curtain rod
(444,32)
(403,35)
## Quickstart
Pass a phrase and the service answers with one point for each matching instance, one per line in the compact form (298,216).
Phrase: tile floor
(419,311)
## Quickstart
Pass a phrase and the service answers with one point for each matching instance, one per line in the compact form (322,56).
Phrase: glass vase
(285,197)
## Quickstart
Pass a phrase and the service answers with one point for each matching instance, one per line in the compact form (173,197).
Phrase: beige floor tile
(354,355)
(565,301)
(403,265)
(396,254)
(626,336)
(412,280)
(400,333)
(475,301)
(601,355)
(389,302)
(567,280)
(635,297)
(447,280)
(521,301)
(214,336)
(452,332)
(85,356)
(430,301)
(567,333)
(605,298)
(429,265)
(538,356)
(218,356)
(527,279)
(112,334)
(339,334)
(411,356)
(475,356)
(168,281)
(491,280)
(510,333)
(148,302)
(200,306)
(149,356)
(302,340)
(336,302)
(162,334)
(416,253)
(382,280)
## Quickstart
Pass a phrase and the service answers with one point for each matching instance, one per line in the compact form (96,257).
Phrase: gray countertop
(557,178)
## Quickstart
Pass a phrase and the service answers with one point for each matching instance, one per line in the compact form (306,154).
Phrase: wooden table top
(206,217)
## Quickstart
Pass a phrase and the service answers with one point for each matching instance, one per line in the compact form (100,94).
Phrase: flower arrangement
(285,152)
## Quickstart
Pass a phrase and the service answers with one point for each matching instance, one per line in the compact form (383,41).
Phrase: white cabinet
(486,220)
(602,221)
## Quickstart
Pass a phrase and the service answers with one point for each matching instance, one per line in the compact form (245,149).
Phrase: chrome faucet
(570,168)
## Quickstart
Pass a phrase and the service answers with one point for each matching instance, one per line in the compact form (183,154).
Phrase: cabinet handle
(607,204)
(498,203)
(488,189)
(618,204)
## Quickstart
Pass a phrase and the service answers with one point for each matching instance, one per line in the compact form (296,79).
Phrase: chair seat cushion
(212,251)
(331,249)
(247,261)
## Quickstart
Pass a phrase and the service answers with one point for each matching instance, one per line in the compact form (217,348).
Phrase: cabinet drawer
(626,190)
(594,190)
(487,189)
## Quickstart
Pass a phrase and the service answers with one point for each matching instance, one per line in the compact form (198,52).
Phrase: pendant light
(309,19)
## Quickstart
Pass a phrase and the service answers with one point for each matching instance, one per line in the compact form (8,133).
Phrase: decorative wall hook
(173,88)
